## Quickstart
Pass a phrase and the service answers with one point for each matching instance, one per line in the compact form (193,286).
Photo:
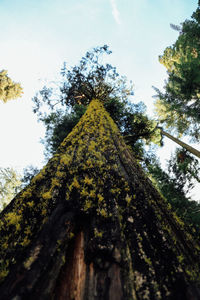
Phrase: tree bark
(91,226)
(182,144)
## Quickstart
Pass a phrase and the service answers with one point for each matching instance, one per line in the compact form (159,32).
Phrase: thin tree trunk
(182,144)
(91,226)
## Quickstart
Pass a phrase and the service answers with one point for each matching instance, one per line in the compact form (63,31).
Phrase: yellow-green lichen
(55,183)
(71,235)
(65,159)
(100,198)
(25,242)
(30,204)
(88,181)
(12,218)
(88,205)
(38,177)
(84,192)
(63,259)
(103,213)
(4,269)
(74,184)
(128,199)
(92,194)
(47,196)
(98,234)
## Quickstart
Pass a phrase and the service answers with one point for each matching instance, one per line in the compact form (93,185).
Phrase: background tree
(28,173)
(178,107)
(176,182)
(8,89)
(185,169)
(10,184)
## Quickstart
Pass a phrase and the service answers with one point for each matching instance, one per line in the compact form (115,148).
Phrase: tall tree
(8,89)
(60,109)
(92,226)
(179,105)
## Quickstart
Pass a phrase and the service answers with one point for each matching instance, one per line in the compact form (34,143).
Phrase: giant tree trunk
(91,226)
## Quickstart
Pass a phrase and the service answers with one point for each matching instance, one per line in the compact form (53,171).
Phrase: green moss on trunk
(92,216)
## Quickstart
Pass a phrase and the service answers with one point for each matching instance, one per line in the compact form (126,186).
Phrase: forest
(103,219)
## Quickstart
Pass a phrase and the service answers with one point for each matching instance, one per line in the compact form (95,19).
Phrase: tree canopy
(8,89)
(175,183)
(93,79)
(10,184)
(179,105)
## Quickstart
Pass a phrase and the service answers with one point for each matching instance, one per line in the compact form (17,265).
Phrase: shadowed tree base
(91,226)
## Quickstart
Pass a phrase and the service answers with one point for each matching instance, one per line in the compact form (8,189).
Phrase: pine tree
(91,226)
(178,106)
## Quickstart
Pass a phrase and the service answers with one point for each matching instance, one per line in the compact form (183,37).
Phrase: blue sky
(38,36)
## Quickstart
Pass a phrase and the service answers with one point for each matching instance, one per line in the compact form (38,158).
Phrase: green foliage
(10,185)
(8,89)
(175,184)
(185,169)
(91,79)
(58,125)
(88,80)
(179,105)
(28,173)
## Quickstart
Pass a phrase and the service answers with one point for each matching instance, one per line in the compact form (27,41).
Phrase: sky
(38,36)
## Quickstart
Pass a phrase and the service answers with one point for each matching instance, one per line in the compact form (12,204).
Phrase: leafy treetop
(10,184)
(92,79)
(179,106)
(8,89)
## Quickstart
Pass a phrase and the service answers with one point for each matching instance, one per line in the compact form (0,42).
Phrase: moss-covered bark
(91,226)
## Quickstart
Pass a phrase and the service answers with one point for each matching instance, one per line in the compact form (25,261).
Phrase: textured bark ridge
(91,226)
